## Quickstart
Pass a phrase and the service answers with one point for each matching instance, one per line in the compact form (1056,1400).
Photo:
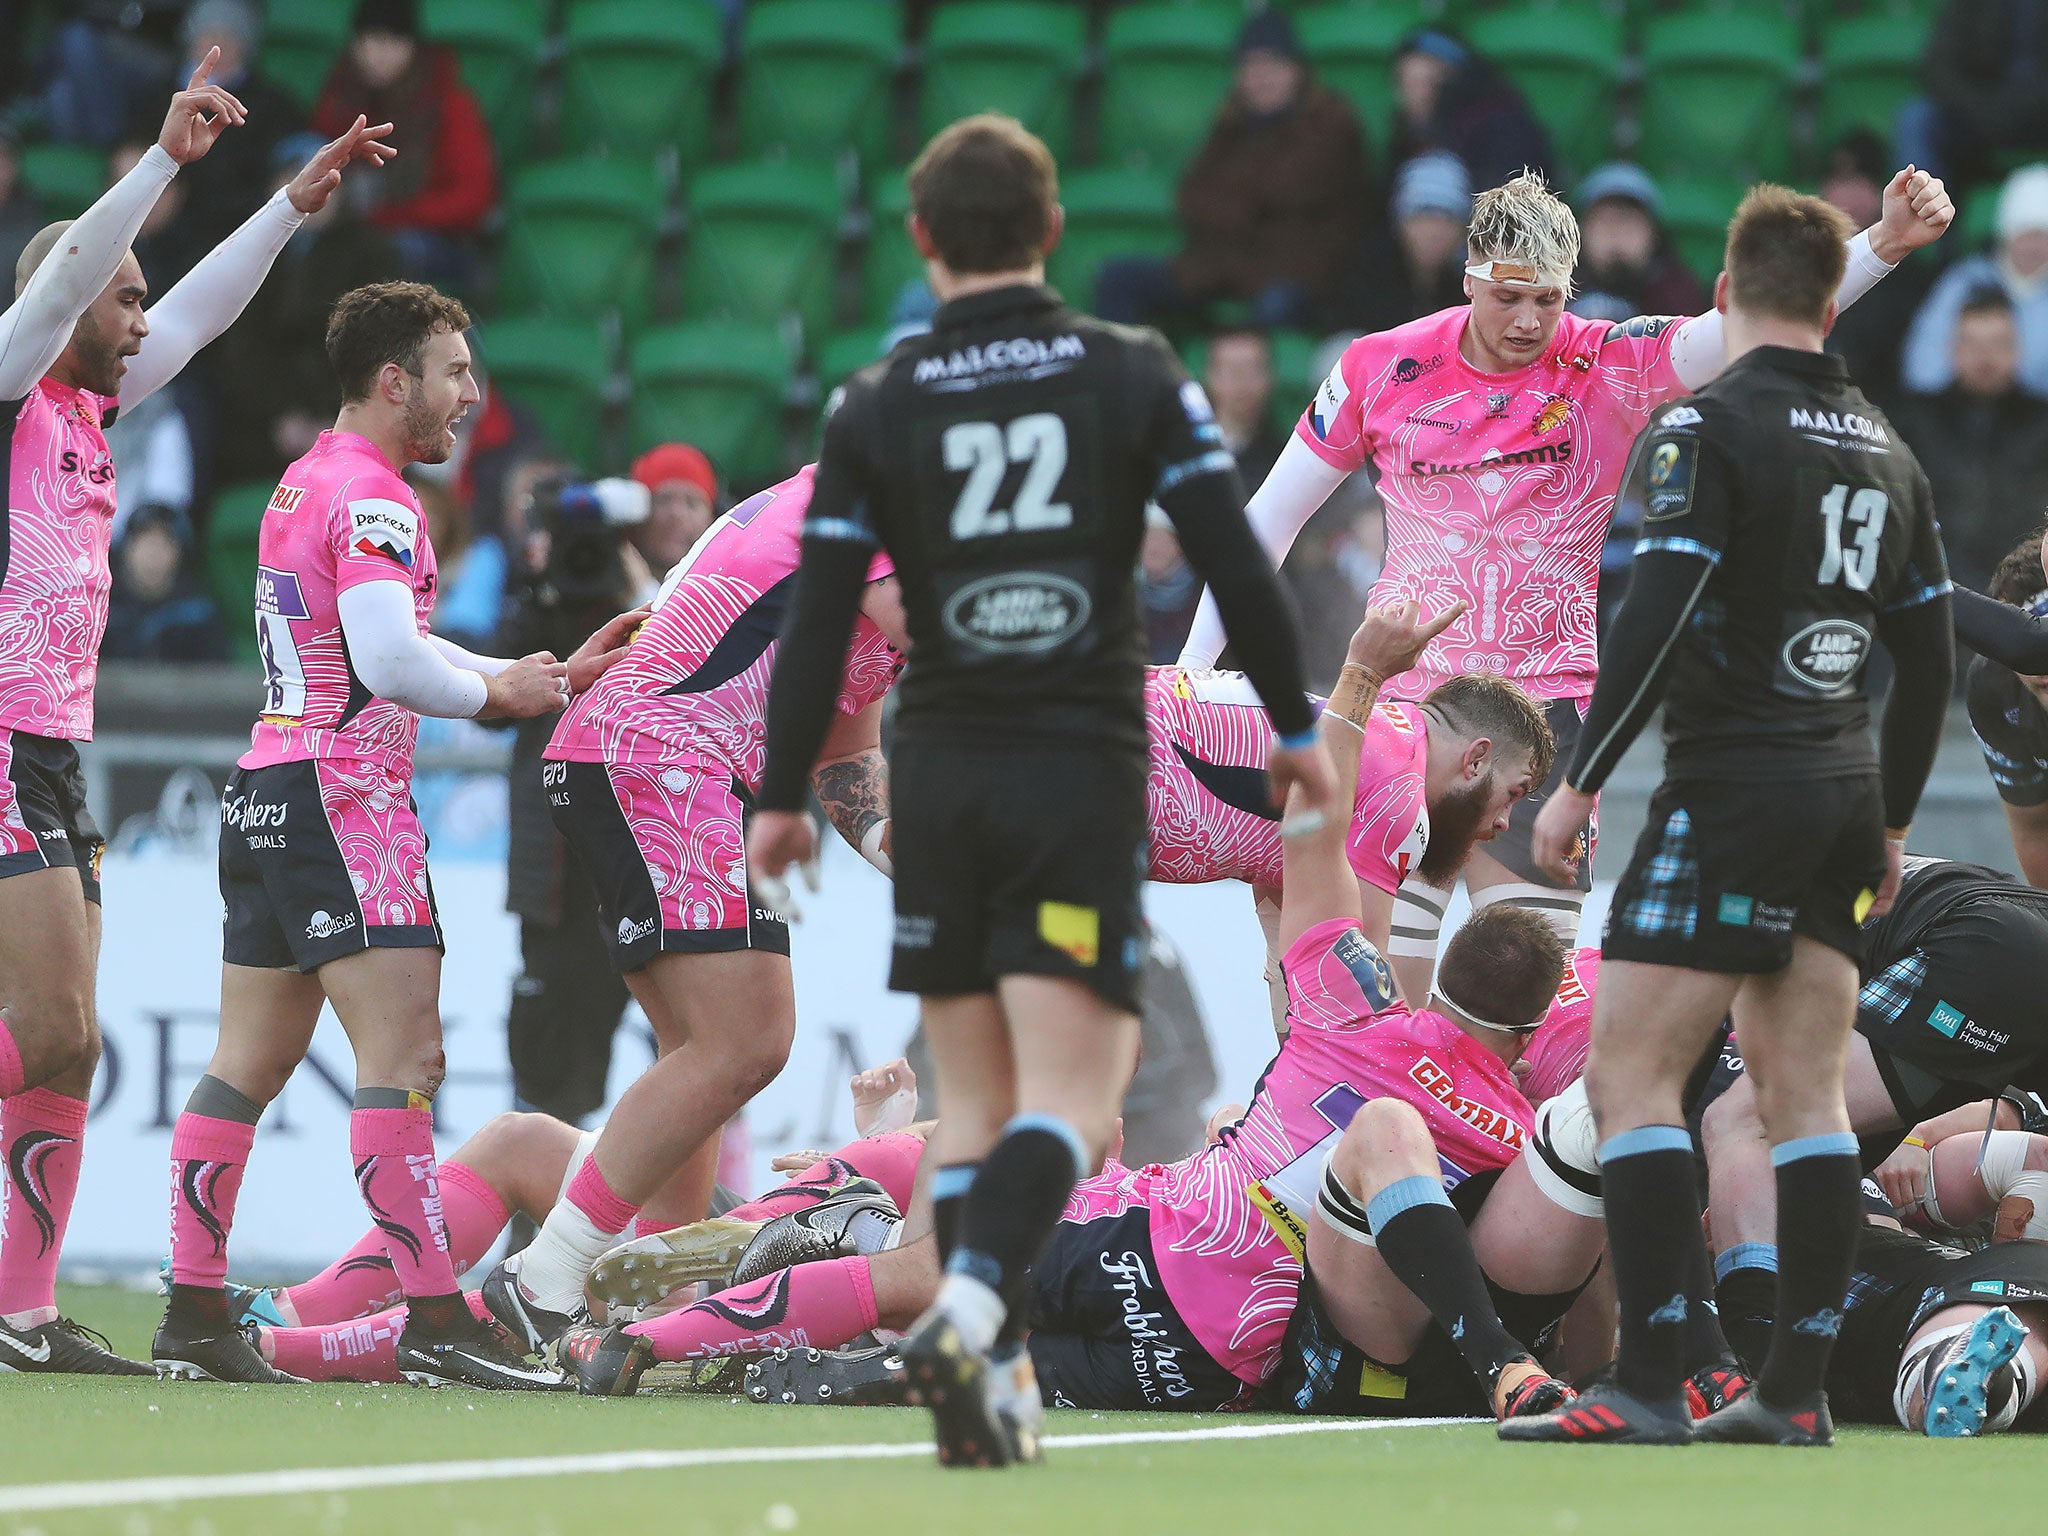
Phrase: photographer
(590,551)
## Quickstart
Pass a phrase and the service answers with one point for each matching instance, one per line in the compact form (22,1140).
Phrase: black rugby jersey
(1932,889)
(2011,729)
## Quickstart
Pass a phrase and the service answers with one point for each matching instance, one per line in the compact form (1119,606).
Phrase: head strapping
(1524,234)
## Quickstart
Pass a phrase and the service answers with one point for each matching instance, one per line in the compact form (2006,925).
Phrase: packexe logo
(73,463)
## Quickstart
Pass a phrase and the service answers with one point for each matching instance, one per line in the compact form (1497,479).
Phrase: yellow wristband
(1898,834)
(1914,1141)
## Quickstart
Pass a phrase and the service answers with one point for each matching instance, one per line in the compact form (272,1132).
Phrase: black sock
(1424,1243)
(1016,1202)
(1706,1344)
(949,1186)
(199,1309)
(1748,1296)
(1818,1215)
(437,1314)
(1653,1226)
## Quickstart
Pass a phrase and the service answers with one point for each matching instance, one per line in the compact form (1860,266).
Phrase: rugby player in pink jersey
(1498,432)
(651,777)
(76,346)
(322,858)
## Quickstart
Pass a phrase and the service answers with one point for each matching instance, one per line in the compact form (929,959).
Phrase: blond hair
(1523,223)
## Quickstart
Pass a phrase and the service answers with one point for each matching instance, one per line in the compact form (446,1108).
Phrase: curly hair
(385,323)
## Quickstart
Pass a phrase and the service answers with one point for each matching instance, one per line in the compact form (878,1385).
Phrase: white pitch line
(34,1497)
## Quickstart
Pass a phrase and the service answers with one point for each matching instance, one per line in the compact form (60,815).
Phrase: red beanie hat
(676,461)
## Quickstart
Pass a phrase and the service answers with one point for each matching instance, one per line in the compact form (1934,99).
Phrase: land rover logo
(1018,613)
(1826,656)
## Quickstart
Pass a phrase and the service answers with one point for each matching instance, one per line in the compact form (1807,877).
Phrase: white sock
(871,1231)
(972,1307)
(558,1260)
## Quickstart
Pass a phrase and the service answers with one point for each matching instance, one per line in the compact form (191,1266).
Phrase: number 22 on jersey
(984,451)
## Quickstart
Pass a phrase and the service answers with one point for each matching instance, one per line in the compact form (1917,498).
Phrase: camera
(586,523)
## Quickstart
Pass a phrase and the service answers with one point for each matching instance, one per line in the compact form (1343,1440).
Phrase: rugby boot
(531,1326)
(723,1375)
(821,1231)
(1713,1387)
(1604,1415)
(1970,1378)
(951,1379)
(604,1362)
(855,1377)
(1528,1392)
(246,1303)
(471,1353)
(1020,1410)
(1749,1420)
(212,1354)
(641,1274)
(62,1347)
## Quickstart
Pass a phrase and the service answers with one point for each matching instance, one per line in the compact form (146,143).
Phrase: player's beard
(98,360)
(1456,819)
(428,438)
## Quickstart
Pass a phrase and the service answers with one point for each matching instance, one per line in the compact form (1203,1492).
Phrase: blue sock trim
(1746,1256)
(1644,1139)
(1834,1144)
(976,1265)
(1404,1195)
(953,1180)
(1053,1125)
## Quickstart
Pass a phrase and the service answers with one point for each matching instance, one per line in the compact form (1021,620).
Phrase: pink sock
(41,1131)
(817,1305)
(207,1159)
(363,1350)
(891,1161)
(360,1281)
(594,1197)
(394,1158)
(13,1076)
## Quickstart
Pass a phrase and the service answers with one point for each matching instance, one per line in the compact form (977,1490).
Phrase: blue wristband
(1300,741)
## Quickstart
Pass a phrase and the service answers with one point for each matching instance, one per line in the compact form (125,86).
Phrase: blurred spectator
(1239,381)
(154,457)
(1628,265)
(270,370)
(1867,335)
(1448,97)
(166,245)
(1986,73)
(1415,265)
(231,182)
(105,61)
(1330,573)
(472,569)
(1983,442)
(683,488)
(21,211)
(1272,204)
(158,610)
(436,195)
(2018,265)
(1169,591)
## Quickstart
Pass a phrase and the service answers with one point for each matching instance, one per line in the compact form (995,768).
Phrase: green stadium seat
(557,369)
(499,43)
(1117,211)
(849,352)
(637,75)
(232,530)
(1869,66)
(1976,226)
(1696,212)
(300,40)
(762,241)
(1717,90)
(579,239)
(719,385)
(68,178)
(891,261)
(818,76)
(1566,62)
(1352,49)
(1165,70)
(1014,56)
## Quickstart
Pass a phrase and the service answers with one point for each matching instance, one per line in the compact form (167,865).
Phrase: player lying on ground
(323,867)
(2008,697)
(1498,432)
(650,777)
(1435,779)
(1939,1339)
(76,346)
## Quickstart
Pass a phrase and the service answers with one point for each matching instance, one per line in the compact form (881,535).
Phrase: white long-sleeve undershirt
(395,661)
(1300,481)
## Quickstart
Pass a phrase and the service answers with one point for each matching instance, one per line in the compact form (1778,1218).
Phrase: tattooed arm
(852,782)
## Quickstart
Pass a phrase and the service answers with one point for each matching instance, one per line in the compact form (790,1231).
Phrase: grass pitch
(315,1453)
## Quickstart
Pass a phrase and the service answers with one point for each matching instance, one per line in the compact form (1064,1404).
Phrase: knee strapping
(1559,908)
(1564,1153)
(1418,920)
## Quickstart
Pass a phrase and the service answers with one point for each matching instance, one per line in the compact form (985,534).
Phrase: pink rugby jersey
(53,560)
(1556,1055)
(1211,817)
(1228,1225)
(693,687)
(1498,487)
(339,517)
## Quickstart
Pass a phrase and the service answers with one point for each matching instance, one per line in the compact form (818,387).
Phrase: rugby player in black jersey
(1785,529)
(1004,461)
(2008,696)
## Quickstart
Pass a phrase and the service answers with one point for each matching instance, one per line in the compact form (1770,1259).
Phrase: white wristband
(871,848)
